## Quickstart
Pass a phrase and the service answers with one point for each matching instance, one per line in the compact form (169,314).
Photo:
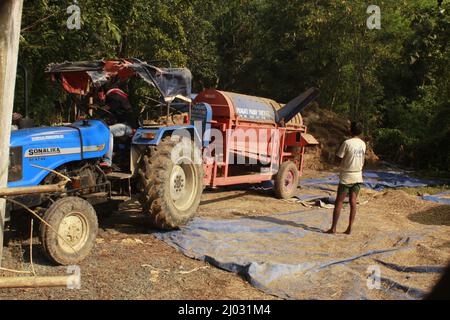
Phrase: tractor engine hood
(51,147)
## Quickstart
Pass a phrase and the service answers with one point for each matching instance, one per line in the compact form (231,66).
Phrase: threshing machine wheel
(74,229)
(286,180)
(172,182)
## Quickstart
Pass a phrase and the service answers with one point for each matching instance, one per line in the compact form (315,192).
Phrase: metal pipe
(168,113)
(25,89)
(296,105)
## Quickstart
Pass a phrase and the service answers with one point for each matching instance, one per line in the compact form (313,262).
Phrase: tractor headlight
(15,164)
(148,135)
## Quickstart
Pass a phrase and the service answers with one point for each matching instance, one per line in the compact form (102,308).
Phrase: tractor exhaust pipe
(25,122)
(296,105)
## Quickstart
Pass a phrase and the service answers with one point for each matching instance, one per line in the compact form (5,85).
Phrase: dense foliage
(395,80)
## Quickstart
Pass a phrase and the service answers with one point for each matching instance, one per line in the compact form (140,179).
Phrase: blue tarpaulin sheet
(289,256)
(377,180)
(443,197)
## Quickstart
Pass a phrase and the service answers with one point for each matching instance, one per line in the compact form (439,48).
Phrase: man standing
(351,155)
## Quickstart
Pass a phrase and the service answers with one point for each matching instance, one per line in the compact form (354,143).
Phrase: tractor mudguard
(51,147)
(200,125)
(153,136)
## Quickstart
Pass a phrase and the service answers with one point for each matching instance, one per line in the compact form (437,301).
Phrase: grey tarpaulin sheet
(288,255)
(443,197)
(377,180)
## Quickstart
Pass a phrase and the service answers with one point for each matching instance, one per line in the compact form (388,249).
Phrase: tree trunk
(10,18)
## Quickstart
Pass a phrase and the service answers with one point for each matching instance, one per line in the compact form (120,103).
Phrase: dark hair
(356,128)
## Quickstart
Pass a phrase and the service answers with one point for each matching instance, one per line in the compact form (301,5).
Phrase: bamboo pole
(36,282)
(10,19)
(49,188)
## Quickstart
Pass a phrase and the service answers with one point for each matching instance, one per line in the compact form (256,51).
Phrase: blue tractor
(160,161)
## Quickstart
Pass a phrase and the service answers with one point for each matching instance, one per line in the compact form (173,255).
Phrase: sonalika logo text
(43,151)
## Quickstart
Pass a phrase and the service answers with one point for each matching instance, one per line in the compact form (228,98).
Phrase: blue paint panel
(202,114)
(51,147)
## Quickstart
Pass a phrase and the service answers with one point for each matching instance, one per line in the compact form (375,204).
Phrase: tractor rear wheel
(171,177)
(75,221)
(286,180)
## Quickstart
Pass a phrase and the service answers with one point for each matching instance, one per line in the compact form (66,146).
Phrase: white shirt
(352,152)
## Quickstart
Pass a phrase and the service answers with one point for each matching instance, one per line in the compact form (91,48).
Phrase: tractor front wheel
(172,182)
(73,230)
(286,180)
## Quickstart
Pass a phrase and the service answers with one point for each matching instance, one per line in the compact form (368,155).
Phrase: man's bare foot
(348,231)
(331,231)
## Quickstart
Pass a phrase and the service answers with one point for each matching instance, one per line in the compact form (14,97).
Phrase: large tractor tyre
(75,221)
(286,180)
(172,182)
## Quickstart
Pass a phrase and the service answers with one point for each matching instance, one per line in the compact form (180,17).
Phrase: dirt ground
(128,262)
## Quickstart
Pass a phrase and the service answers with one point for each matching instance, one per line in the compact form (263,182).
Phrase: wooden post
(10,19)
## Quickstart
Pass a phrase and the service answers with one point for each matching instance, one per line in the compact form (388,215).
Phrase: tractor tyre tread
(53,216)
(153,170)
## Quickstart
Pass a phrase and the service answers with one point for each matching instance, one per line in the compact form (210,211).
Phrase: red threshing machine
(262,140)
